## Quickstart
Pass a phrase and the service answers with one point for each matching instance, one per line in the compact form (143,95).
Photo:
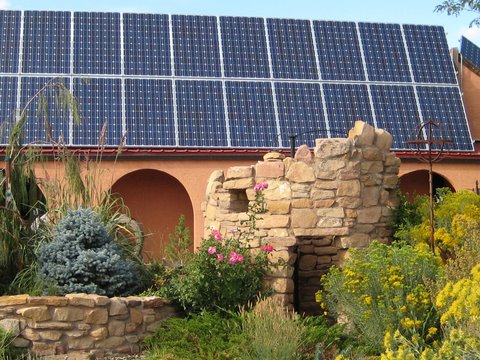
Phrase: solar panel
(429,55)
(196,46)
(339,52)
(47,119)
(347,103)
(244,47)
(206,81)
(292,50)
(251,114)
(147,44)
(149,112)
(9,41)
(8,99)
(444,105)
(470,51)
(100,102)
(397,112)
(46,42)
(385,54)
(97,43)
(300,109)
(201,113)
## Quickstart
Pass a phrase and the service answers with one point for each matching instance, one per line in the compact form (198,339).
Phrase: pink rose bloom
(234,258)
(267,248)
(219,257)
(260,186)
(212,250)
(216,235)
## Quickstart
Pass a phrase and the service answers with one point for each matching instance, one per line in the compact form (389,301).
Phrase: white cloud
(4,4)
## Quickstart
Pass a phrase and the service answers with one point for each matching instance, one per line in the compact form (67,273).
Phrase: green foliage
(455,7)
(83,258)
(178,249)
(207,335)
(383,288)
(7,350)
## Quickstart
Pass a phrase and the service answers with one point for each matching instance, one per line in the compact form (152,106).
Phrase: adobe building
(185,96)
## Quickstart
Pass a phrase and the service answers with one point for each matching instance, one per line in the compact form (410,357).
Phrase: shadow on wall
(416,183)
(156,200)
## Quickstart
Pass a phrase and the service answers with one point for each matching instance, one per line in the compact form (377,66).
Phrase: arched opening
(416,183)
(156,200)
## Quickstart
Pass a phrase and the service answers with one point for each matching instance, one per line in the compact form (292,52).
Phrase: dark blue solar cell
(100,103)
(397,112)
(444,105)
(429,55)
(346,103)
(97,43)
(251,114)
(292,49)
(384,51)
(47,118)
(300,110)
(149,112)
(196,46)
(46,42)
(338,50)
(9,41)
(470,52)
(147,44)
(244,46)
(8,106)
(201,113)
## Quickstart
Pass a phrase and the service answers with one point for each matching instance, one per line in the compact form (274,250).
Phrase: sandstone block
(276,242)
(274,221)
(328,148)
(327,203)
(83,343)
(357,240)
(282,285)
(372,153)
(390,182)
(392,160)
(80,300)
(326,185)
(43,349)
(303,153)
(96,316)
(371,195)
(338,231)
(21,342)
(350,188)
(48,300)
(130,327)
(281,207)
(278,232)
(322,242)
(100,333)
(236,172)
(244,183)
(306,249)
(52,335)
(348,174)
(69,313)
(383,139)
(304,218)
(307,262)
(322,194)
(329,165)
(132,339)
(148,319)
(52,325)
(334,212)
(302,203)
(322,260)
(152,302)
(328,222)
(298,171)
(362,133)
(35,313)
(372,167)
(30,334)
(273,156)
(278,190)
(326,250)
(369,215)
(136,316)
(270,170)
(11,325)
(13,300)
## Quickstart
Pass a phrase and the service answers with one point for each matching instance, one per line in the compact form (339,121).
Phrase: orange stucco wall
(470,86)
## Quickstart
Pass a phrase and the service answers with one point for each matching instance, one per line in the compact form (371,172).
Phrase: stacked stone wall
(319,205)
(81,325)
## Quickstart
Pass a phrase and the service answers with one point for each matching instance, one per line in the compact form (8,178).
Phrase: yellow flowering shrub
(383,288)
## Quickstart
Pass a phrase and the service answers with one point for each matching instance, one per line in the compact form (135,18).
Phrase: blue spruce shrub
(83,258)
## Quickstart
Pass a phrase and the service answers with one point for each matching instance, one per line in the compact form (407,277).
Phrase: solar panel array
(470,52)
(229,82)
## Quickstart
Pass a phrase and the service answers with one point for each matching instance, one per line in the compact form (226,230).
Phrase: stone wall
(81,324)
(319,205)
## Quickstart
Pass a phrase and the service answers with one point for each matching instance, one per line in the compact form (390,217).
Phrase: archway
(416,183)
(156,200)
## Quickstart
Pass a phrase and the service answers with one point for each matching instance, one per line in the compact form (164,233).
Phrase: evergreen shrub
(83,258)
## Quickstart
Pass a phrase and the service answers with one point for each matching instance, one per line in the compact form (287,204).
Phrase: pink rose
(219,257)
(260,186)
(234,258)
(212,250)
(267,248)
(216,235)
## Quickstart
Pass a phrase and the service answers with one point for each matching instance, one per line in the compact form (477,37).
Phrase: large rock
(301,172)
(304,218)
(383,139)
(362,133)
(270,169)
(236,172)
(329,148)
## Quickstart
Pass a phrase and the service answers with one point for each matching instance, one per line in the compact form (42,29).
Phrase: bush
(83,258)
(383,288)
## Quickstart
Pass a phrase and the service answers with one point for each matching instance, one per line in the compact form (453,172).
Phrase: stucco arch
(416,182)
(156,200)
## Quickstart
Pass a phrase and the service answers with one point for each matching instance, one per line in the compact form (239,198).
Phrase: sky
(389,11)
